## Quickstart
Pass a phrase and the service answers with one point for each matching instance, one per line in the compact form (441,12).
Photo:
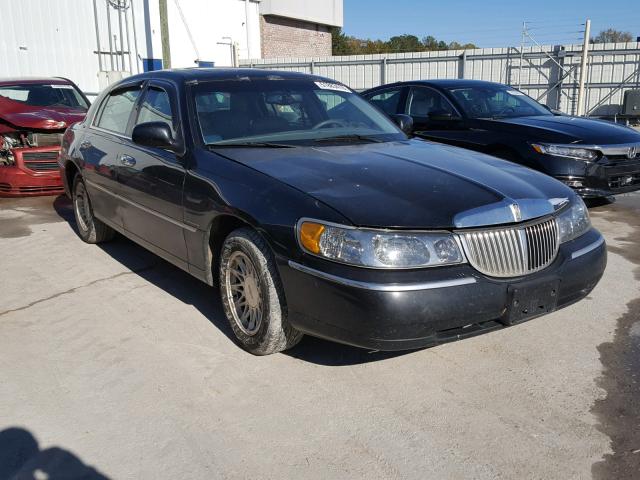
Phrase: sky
(489,23)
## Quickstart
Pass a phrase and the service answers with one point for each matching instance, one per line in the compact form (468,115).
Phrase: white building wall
(324,12)
(214,26)
(58,37)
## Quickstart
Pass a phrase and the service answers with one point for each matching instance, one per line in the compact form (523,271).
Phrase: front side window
(296,112)
(426,101)
(496,101)
(387,101)
(117,110)
(43,95)
(156,107)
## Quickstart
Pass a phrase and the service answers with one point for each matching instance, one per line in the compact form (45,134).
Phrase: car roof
(444,83)
(34,81)
(218,73)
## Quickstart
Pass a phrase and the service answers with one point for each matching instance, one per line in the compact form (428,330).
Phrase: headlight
(378,248)
(573,221)
(566,151)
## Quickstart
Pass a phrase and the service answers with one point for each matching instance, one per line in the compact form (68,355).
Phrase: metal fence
(548,73)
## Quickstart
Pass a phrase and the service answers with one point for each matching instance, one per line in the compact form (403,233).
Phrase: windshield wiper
(250,145)
(348,138)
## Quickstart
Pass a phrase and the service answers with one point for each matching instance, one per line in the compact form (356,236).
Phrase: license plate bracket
(527,301)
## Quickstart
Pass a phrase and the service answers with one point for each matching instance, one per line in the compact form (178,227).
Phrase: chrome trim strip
(382,287)
(110,132)
(142,207)
(611,149)
(587,249)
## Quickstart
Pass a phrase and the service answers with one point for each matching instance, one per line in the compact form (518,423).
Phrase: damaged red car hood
(21,116)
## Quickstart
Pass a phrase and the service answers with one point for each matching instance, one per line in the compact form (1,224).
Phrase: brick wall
(286,37)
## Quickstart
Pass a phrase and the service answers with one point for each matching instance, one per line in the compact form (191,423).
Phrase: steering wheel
(504,110)
(330,121)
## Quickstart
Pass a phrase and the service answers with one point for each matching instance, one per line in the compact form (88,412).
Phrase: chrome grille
(512,251)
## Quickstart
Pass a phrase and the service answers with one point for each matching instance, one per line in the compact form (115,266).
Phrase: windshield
(43,95)
(287,112)
(496,101)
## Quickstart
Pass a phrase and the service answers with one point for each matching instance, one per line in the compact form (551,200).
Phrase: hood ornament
(515,210)
(507,211)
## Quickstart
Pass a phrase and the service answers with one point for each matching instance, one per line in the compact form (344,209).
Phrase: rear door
(151,179)
(100,149)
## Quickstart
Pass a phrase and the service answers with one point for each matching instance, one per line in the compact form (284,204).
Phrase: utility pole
(164,35)
(580,110)
(522,40)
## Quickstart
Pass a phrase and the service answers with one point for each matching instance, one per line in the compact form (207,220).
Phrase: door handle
(85,145)
(127,160)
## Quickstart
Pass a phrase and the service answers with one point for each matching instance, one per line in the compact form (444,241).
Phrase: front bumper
(35,172)
(384,310)
(608,176)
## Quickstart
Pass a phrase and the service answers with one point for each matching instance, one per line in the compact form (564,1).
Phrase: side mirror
(154,134)
(443,116)
(405,122)
(555,111)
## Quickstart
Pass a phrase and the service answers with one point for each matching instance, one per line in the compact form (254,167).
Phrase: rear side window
(156,107)
(117,109)
(387,101)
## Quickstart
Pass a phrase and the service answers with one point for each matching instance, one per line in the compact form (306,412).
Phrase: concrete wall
(324,12)
(547,73)
(286,37)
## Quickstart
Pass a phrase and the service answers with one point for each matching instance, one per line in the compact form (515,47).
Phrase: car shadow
(599,202)
(206,299)
(22,458)
(332,354)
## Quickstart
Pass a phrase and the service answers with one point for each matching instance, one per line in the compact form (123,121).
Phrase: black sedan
(597,158)
(315,214)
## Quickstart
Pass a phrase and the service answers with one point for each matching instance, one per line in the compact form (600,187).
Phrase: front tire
(90,229)
(252,295)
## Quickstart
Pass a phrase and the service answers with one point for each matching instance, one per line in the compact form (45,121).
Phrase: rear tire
(90,229)
(252,295)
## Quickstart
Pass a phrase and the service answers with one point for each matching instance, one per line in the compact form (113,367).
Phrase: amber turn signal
(310,234)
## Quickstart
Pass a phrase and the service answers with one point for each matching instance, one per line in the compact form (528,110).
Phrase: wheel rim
(81,204)
(243,293)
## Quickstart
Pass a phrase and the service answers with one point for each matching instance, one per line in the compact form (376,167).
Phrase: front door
(100,146)
(152,179)
(434,117)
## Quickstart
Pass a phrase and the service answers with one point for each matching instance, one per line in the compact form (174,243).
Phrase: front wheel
(90,229)
(252,295)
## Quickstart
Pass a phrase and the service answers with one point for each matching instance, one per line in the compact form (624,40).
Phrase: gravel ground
(116,364)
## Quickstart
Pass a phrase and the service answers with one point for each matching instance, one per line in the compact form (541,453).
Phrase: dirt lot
(115,363)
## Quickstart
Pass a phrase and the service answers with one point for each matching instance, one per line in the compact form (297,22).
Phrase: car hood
(410,184)
(21,116)
(572,129)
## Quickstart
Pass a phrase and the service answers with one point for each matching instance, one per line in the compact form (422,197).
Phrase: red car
(34,113)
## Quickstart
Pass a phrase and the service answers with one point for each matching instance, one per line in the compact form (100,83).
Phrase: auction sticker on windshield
(332,86)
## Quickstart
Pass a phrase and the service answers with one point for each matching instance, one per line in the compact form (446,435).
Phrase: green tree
(405,43)
(342,44)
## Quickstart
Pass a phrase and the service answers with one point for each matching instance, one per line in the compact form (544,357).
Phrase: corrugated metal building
(94,42)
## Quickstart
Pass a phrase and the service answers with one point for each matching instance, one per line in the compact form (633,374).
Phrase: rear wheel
(252,295)
(90,229)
